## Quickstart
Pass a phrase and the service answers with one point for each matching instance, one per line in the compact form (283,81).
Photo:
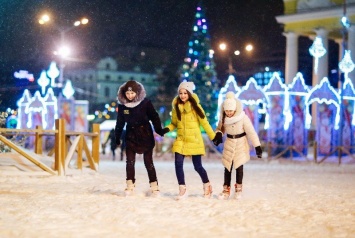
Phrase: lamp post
(223,47)
(63,51)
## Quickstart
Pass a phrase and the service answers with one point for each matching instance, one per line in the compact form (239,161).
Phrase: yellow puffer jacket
(189,139)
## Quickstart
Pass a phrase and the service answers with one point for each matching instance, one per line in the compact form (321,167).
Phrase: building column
(323,66)
(351,46)
(291,64)
(340,57)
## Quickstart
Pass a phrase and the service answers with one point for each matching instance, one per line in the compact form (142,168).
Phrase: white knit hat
(230,103)
(189,86)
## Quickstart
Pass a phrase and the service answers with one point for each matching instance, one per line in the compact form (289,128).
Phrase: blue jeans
(179,168)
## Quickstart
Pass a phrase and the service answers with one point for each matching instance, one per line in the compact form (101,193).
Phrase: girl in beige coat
(239,130)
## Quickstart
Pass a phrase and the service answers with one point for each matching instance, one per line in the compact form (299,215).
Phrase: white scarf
(234,119)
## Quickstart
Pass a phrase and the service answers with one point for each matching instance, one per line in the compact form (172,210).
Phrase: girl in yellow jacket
(187,116)
(239,130)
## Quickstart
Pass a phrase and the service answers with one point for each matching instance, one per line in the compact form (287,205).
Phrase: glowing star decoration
(317,50)
(346,65)
(323,93)
(68,90)
(43,81)
(53,72)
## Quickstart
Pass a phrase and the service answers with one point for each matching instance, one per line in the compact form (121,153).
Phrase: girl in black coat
(135,111)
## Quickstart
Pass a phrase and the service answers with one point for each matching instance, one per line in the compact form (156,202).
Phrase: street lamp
(223,46)
(64,50)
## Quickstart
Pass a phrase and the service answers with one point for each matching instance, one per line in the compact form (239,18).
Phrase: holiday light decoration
(198,65)
(43,81)
(53,72)
(68,90)
(346,65)
(317,50)
(253,97)
(296,88)
(323,93)
(251,94)
(276,88)
(24,74)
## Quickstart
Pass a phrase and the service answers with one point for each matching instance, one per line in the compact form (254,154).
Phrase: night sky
(165,24)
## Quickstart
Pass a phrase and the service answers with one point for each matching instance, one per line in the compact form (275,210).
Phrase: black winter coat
(139,132)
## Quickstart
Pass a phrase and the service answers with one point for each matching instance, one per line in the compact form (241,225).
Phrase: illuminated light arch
(22,104)
(52,108)
(298,87)
(323,93)
(36,105)
(251,94)
(276,87)
(349,94)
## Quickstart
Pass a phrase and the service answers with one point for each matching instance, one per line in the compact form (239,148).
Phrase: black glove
(259,151)
(118,141)
(217,139)
(163,131)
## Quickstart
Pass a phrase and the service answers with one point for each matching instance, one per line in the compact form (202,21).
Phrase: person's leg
(227,177)
(207,188)
(122,151)
(130,170)
(149,165)
(239,182)
(179,168)
(113,153)
(196,160)
(239,175)
(224,195)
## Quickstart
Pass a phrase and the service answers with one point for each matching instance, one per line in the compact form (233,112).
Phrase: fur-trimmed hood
(121,97)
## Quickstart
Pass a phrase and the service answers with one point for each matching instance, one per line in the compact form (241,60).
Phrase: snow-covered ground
(280,199)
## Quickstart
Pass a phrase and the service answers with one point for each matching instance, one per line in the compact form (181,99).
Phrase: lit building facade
(100,84)
(317,19)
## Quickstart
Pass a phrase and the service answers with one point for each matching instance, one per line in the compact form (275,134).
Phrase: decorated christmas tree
(198,66)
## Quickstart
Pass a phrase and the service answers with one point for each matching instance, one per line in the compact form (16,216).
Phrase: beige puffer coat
(237,150)
(189,139)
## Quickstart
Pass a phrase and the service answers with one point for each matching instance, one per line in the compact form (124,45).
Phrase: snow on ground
(280,199)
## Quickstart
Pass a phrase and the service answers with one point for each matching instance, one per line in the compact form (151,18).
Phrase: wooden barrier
(62,153)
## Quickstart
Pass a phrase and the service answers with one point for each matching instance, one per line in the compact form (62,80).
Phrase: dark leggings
(179,168)
(148,162)
(238,175)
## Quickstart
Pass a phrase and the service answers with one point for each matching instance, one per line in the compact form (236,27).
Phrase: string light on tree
(198,66)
